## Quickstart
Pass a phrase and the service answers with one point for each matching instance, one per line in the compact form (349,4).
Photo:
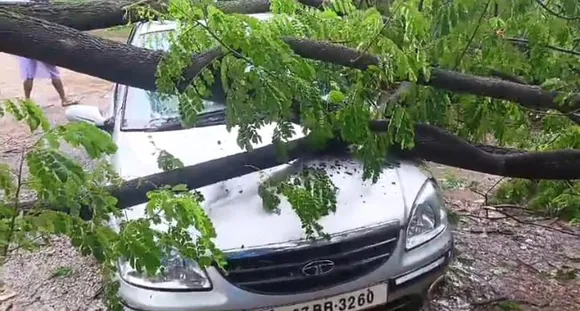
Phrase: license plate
(353,301)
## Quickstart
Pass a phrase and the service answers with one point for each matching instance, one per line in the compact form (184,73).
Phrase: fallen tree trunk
(106,59)
(431,144)
(90,15)
(84,15)
(66,47)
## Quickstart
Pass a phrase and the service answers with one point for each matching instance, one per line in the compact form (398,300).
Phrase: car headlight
(428,217)
(178,274)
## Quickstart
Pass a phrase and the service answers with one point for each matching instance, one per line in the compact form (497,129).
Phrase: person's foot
(66,102)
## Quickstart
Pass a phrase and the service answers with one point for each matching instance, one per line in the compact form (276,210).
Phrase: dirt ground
(506,259)
(79,87)
(513,262)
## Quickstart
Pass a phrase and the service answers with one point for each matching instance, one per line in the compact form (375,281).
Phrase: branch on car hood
(431,144)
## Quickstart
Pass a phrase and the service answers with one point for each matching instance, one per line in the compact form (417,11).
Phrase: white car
(389,240)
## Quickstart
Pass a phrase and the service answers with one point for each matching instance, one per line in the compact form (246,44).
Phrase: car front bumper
(408,275)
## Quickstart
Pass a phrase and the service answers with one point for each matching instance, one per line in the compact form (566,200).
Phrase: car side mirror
(90,114)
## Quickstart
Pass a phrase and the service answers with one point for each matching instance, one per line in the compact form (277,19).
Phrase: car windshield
(148,110)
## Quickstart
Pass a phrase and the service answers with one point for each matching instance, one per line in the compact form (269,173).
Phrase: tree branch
(106,59)
(507,76)
(554,13)
(431,144)
(89,15)
(526,43)
(32,43)
(85,15)
(396,97)
(525,95)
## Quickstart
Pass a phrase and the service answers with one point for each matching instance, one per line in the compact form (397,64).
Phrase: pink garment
(33,69)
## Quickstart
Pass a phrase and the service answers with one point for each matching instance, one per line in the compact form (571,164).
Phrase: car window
(142,107)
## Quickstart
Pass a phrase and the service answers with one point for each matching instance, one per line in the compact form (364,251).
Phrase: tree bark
(106,59)
(93,14)
(36,38)
(84,15)
(431,144)
(525,95)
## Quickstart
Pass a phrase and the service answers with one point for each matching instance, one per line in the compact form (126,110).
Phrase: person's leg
(57,83)
(28,83)
(29,68)
(59,87)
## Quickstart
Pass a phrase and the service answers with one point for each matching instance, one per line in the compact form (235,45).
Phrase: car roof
(160,26)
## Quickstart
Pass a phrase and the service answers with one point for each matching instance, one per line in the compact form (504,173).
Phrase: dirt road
(85,89)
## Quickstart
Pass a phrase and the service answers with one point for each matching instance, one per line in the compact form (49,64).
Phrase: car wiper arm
(212,114)
(211,118)
(164,124)
(172,124)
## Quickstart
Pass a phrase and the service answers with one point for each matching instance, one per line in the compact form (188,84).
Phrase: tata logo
(318,267)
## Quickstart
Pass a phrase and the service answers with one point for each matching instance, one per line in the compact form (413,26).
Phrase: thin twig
(20,245)
(492,231)
(486,196)
(16,207)
(470,41)
(376,37)
(437,284)
(551,47)
(554,13)
(513,206)
(535,223)
(219,40)
(528,265)
(499,299)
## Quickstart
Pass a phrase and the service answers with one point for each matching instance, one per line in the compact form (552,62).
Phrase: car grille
(281,271)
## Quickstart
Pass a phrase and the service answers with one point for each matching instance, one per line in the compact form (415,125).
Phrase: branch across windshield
(141,108)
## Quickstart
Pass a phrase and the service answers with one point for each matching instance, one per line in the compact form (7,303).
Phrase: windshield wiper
(211,118)
(163,124)
(215,117)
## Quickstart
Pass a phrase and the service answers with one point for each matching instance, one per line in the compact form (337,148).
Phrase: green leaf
(62,272)
(336,97)
(6,180)
(167,162)
(81,134)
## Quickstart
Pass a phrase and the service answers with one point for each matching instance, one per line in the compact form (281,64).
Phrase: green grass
(62,272)
(450,182)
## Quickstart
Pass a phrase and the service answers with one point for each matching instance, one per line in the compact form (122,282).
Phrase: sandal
(69,103)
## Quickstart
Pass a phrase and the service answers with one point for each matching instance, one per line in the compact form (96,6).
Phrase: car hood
(235,206)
